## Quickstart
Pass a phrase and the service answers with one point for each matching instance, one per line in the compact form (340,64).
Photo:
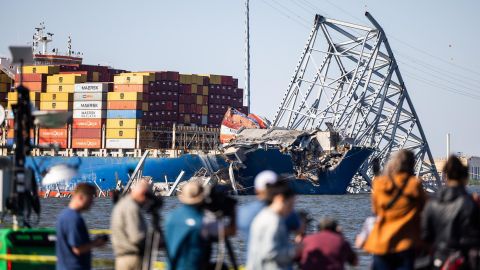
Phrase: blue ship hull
(331,181)
(104,170)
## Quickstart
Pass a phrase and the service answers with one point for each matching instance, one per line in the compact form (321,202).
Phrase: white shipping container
(89,96)
(204,119)
(120,143)
(89,105)
(91,87)
(89,114)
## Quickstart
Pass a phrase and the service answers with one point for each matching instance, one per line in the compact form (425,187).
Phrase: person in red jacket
(326,249)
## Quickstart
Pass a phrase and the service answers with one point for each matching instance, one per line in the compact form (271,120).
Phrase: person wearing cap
(269,246)
(129,228)
(247,213)
(190,230)
(326,249)
(73,247)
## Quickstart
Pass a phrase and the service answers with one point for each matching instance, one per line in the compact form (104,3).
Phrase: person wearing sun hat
(190,230)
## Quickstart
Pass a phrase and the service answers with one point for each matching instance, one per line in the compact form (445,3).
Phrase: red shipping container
(86,143)
(199,109)
(53,133)
(34,86)
(142,88)
(32,77)
(227,80)
(124,105)
(61,142)
(88,123)
(93,133)
(181,108)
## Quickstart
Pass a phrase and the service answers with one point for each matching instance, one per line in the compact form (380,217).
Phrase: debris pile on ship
(311,151)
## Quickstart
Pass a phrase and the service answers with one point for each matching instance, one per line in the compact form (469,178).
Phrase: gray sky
(436,44)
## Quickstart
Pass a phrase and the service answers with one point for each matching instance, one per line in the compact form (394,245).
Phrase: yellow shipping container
(4,78)
(205,90)
(121,133)
(41,69)
(124,96)
(197,79)
(199,100)
(186,119)
(145,106)
(36,104)
(194,88)
(215,79)
(133,78)
(95,76)
(66,78)
(123,123)
(204,110)
(56,97)
(150,75)
(13,96)
(61,105)
(65,88)
(185,79)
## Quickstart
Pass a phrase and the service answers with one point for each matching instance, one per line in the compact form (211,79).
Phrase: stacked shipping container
(148,99)
(125,108)
(89,114)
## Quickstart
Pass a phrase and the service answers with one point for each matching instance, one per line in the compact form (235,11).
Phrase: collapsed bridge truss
(348,80)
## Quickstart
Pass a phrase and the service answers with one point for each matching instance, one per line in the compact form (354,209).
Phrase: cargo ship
(180,118)
(314,162)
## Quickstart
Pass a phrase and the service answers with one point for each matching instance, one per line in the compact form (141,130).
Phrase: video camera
(219,203)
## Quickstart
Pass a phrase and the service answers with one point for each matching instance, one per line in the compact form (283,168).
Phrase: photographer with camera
(192,228)
(129,228)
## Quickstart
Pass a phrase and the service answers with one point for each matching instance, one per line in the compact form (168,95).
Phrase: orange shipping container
(86,143)
(11,132)
(34,86)
(61,142)
(87,123)
(130,88)
(53,133)
(124,105)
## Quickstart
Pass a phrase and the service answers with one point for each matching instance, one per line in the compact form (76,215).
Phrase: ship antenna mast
(41,39)
(69,46)
(247,54)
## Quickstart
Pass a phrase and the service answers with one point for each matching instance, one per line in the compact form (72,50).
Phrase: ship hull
(331,181)
(103,171)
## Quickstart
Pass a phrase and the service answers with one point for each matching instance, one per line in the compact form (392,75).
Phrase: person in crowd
(326,249)
(190,230)
(305,221)
(129,228)
(73,247)
(269,246)
(249,211)
(451,220)
(397,201)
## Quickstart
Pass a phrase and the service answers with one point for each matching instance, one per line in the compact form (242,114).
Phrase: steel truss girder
(347,76)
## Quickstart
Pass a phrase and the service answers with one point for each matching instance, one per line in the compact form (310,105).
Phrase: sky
(435,43)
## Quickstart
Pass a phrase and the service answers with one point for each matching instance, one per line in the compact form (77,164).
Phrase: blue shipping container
(129,114)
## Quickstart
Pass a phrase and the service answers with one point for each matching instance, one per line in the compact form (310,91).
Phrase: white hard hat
(264,178)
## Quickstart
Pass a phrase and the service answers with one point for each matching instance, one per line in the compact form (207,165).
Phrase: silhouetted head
(280,197)
(456,172)
(402,161)
(139,191)
(82,197)
(328,224)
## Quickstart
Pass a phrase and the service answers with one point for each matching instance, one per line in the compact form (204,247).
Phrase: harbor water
(349,210)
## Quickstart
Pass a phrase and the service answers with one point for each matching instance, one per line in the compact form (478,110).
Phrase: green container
(27,249)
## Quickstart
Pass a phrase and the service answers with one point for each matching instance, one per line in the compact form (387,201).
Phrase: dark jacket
(451,221)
